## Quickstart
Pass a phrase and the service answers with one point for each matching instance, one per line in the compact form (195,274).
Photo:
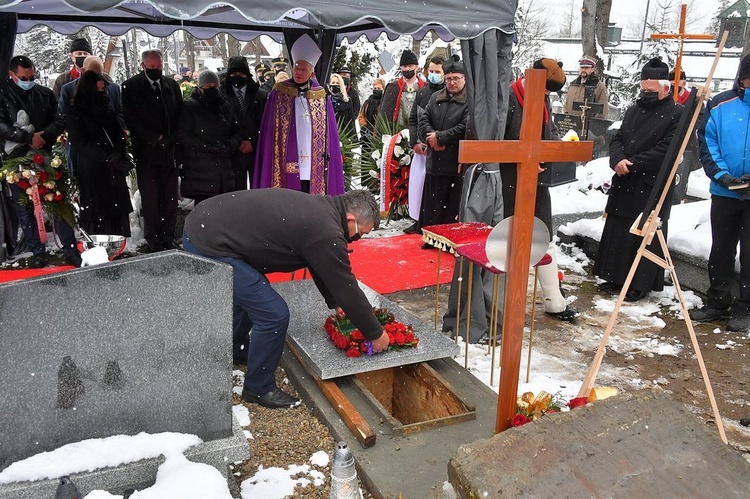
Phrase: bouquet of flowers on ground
(48,175)
(530,408)
(346,337)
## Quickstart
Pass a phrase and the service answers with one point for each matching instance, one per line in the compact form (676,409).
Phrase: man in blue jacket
(723,142)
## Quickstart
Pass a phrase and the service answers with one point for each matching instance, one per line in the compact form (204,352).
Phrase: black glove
(729,181)
(112,159)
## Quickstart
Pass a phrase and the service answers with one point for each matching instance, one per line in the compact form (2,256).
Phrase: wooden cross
(680,36)
(527,152)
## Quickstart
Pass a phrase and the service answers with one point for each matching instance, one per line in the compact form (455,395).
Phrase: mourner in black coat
(636,154)
(152,116)
(209,134)
(241,85)
(97,142)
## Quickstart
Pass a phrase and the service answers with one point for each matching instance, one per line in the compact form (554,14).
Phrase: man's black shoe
(38,261)
(707,313)
(567,315)
(74,259)
(610,287)
(635,295)
(412,229)
(275,399)
(739,323)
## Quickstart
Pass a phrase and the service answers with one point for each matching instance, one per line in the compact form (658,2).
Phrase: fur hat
(682,75)
(744,71)
(80,44)
(305,49)
(555,74)
(655,69)
(207,76)
(587,61)
(408,57)
(238,63)
(454,65)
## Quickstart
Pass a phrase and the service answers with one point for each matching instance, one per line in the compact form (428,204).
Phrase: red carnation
(353,352)
(23,184)
(59,197)
(391,339)
(519,420)
(42,176)
(356,335)
(58,174)
(577,402)
(38,159)
(340,341)
(43,190)
(409,337)
(400,338)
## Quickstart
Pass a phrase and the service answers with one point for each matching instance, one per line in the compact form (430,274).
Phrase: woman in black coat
(208,134)
(97,141)
(342,104)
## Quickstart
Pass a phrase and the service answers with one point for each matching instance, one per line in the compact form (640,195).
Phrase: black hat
(238,63)
(744,71)
(80,44)
(345,69)
(655,69)
(280,61)
(555,74)
(408,57)
(682,75)
(454,66)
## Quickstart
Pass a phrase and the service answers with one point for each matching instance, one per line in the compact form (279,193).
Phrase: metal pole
(645,20)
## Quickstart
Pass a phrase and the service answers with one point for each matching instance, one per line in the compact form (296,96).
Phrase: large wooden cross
(527,152)
(680,36)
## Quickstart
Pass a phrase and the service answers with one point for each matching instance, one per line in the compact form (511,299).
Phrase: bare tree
(189,49)
(603,8)
(594,25)
(533,24)
(570,24)
(664,18)
(233,47)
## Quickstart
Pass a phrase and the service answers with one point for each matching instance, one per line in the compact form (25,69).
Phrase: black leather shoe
(707,313)
(275,399)
(567,315)
(38,261)
(74,259)
(635,295)
(739,323)
(610,287)
(413,229)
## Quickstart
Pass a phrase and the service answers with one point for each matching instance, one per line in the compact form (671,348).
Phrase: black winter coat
(421,101)
(95,134)
(248,122)
(204,128)
(447,115)
(643,138)
(344,111)
(41,106)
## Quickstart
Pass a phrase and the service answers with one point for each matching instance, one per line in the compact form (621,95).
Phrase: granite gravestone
(308,312)
(141,345)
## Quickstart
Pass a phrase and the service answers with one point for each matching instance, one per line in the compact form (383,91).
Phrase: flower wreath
(347,337)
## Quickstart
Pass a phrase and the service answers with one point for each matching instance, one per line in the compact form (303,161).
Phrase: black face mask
(79,60)
(649,99)
(409,74)
(346,81)
(237,81)
(377,93)
(335,89)
(211,95)
(153,74)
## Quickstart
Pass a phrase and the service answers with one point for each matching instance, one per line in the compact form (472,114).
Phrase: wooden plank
(380,384)
(353,420)
(513,151)
(420,395)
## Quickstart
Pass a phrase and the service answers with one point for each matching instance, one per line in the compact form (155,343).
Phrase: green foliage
(350,152)
(360,64)
(372,148)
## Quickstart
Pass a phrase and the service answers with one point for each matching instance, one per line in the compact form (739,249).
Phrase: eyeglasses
(453,79)
(25,78)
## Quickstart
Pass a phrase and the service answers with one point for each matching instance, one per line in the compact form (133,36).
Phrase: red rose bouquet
(347,337)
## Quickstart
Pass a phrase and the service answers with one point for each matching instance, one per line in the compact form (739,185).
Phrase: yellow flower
(27,174)
(56,162)
(49,196)
(49,184)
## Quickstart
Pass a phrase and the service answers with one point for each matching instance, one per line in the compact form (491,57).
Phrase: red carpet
(386,264)
(390,264)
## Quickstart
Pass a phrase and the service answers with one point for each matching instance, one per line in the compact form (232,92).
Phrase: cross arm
(516,151)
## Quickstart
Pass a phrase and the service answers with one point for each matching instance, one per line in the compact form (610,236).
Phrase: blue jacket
(723,138)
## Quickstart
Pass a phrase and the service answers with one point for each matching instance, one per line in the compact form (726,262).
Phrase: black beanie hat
(408,57)
(238,63)
(655,69)
(744,71)
(454,65)
(80,44)
(555,74)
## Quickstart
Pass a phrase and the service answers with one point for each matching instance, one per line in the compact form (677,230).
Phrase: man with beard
(298,144)
(152,106)
(636,154)
(587,87)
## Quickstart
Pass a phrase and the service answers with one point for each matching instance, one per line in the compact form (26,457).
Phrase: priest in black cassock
(636,154)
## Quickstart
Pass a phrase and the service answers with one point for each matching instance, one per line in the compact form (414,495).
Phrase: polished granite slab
(308,312)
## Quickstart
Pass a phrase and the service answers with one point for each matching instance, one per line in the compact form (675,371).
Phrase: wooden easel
(527,152)
(649,230)
(680,36)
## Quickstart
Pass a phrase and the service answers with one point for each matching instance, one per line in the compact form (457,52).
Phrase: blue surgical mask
(26,85)
(434,78)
